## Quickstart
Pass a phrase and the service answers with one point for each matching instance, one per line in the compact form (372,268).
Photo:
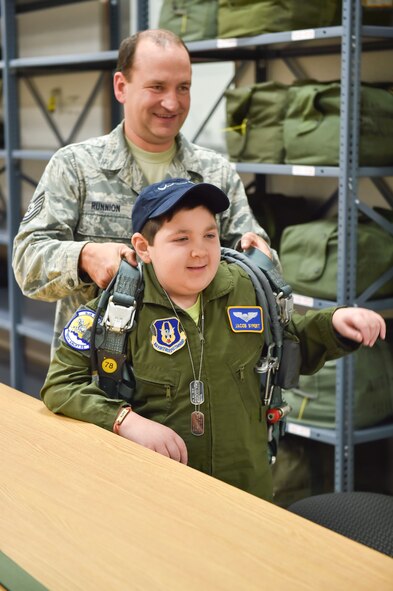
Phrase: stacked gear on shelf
(300,124)
(313,402)
(312,124)
(194,20)
(309,257)
(246,18)
(255,119)
(309,252)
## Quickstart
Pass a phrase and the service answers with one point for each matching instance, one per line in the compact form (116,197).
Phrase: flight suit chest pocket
(156,390)
(247,383)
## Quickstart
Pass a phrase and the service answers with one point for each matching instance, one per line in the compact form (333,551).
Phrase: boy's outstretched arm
(154,436)
(359,324)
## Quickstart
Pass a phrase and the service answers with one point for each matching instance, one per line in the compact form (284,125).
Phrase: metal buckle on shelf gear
(119,318)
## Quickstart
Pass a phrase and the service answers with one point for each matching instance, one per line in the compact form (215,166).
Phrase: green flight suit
(234,445)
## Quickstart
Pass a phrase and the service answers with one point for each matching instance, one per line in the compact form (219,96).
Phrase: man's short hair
(127,49)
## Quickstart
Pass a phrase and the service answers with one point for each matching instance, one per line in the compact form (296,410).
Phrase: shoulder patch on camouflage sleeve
(34,208)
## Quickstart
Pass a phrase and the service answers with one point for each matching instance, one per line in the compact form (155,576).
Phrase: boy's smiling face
(185,254)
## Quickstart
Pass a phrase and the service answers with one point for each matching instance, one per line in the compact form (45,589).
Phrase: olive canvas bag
(312,125)
(308,254)
(245,18)
(255,118)
(314,401)
(192,20)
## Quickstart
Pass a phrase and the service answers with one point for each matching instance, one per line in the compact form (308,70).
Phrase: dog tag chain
(197,389)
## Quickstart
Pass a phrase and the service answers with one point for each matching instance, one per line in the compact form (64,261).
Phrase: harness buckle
(119,318)
(268,363)
(285,305)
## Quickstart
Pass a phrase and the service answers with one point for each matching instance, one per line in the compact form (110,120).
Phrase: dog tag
(197,422)
(197,392)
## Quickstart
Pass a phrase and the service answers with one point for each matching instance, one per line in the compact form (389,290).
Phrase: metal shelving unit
(348,40)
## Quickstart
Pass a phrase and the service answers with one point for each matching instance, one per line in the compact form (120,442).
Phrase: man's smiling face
(156,96)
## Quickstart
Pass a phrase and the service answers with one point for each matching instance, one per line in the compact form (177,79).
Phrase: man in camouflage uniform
(78,224)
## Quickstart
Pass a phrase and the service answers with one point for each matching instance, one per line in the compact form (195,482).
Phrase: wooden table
(84,509)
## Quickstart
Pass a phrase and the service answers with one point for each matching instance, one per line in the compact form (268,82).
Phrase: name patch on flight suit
(245,318)
(77,332)
(167,335)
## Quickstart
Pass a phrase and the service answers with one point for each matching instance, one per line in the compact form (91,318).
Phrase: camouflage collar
(116,152)
(185,165)
(117,157)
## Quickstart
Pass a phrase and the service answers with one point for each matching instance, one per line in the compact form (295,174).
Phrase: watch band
(121,415)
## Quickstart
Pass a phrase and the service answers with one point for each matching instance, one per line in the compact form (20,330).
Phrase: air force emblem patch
(167,335)
(245,318)
(77,332)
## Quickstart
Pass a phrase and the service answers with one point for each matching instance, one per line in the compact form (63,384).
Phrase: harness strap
(274,295)
(119,301)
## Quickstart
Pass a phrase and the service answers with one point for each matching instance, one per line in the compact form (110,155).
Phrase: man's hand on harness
(249,240)
(100,261)
(154,436)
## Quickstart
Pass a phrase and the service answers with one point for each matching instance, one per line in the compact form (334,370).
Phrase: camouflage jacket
(86,195)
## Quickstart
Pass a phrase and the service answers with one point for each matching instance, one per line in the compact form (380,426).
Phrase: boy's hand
(154,436)
(359,324)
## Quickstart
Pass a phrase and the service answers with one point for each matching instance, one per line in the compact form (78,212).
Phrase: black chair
(362,516)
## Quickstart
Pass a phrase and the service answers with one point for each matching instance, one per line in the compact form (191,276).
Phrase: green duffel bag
(274,212)
(314,402)
(191,20)
(312,125)
(255,117)
(308,254)
(245,18)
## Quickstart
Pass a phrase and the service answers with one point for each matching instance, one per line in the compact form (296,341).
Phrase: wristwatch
(121,415)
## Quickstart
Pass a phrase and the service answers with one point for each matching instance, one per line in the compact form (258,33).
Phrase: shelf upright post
(347,232)
(142,15)
(114,42)
(11,142)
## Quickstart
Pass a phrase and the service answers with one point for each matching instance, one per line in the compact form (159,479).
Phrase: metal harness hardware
(118,318)
(274,295)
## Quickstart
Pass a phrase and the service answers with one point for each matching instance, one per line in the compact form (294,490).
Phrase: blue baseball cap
(159,198)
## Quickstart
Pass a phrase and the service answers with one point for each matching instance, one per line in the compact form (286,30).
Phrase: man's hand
(101,260)
(359,324)
(154,436)
(249,239)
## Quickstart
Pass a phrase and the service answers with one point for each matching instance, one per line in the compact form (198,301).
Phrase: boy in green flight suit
(198,337)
